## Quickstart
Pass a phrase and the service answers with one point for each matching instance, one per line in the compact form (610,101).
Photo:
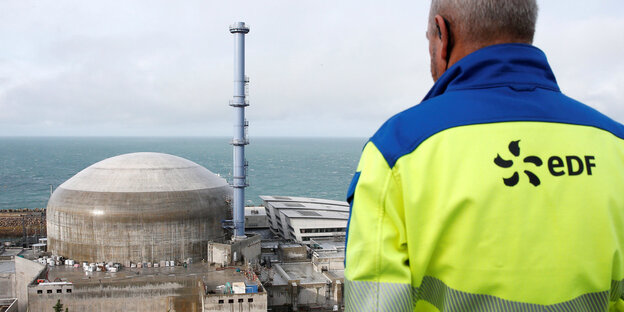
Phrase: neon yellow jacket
(496,193)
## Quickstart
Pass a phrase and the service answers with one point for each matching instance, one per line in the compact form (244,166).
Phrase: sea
(32,167)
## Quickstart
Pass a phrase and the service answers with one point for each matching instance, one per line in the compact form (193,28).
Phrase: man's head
(460,27)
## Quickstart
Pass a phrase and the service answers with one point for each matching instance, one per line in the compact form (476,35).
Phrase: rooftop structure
(10,253)
(196,287)
(301,219)
(297,199)
(139,207)
(256,218)
(301,285)
(329,255)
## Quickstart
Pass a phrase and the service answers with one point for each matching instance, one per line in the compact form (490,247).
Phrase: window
(250,300)
(323,230)
(221,301)
(231,301)
(59,291)
(39,291)
(49,291)
(241,300)
(68,291)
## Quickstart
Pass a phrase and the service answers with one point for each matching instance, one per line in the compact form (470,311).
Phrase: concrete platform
(210,274)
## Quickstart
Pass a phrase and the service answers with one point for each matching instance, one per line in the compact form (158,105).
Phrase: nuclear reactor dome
(139,207)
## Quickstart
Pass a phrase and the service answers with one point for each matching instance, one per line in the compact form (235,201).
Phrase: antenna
(239,174)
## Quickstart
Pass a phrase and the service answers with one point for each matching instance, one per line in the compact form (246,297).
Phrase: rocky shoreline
(13,222)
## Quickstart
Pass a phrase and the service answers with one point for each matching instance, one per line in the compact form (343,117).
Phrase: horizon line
(180,136)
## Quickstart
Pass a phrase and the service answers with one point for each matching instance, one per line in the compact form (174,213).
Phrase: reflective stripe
(361,296)
(447,299)
(374,296)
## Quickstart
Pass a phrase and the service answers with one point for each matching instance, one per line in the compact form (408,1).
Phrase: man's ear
(444,37)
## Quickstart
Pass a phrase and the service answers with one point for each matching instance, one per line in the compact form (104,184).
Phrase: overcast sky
(317,68)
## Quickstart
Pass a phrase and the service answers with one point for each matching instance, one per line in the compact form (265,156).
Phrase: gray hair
(480,21)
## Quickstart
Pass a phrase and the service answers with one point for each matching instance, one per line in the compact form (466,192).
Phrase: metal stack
(239,174)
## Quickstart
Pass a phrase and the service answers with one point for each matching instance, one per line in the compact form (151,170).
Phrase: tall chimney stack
(239,178)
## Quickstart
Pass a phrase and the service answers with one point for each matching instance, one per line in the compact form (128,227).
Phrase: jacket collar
(518,66)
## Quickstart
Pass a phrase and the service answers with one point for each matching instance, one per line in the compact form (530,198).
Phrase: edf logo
(574,165)
(557,166)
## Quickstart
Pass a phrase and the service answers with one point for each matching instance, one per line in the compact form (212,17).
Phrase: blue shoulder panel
(501,83)
(402,134)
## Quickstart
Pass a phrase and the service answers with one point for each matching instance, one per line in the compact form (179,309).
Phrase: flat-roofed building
(328,254)
(256,218)
(194,287)
(301,219)
(299,286)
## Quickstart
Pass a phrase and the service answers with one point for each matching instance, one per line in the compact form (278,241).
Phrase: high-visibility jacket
(496,193)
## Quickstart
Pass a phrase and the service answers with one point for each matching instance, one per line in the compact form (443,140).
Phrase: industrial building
(300,283)
(292,277)
(256,218)
(174,288)
(328,254)
(156,232)
(142,232)
(300,219)
(139,207)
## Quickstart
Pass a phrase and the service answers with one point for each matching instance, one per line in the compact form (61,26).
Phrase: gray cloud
(317,68)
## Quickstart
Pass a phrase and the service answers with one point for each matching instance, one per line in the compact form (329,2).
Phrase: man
(497,192)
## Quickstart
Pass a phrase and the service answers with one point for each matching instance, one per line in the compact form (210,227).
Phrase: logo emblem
(514,149)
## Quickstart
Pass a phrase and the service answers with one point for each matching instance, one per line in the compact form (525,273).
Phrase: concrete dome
(139,207)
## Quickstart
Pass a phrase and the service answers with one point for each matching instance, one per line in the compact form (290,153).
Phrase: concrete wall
(142,227)
(25,272)
(337,292)
(219,254)
(10,253)
(51,288)
(293,252)
(271,216)
(300,290)
(7,280)
(279,296)
(247,251)
(256,217)
(9,304)
(294,294)
(327,262)
(312,294)
(283,225)
(253,302)
(320,223)
(141,297)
